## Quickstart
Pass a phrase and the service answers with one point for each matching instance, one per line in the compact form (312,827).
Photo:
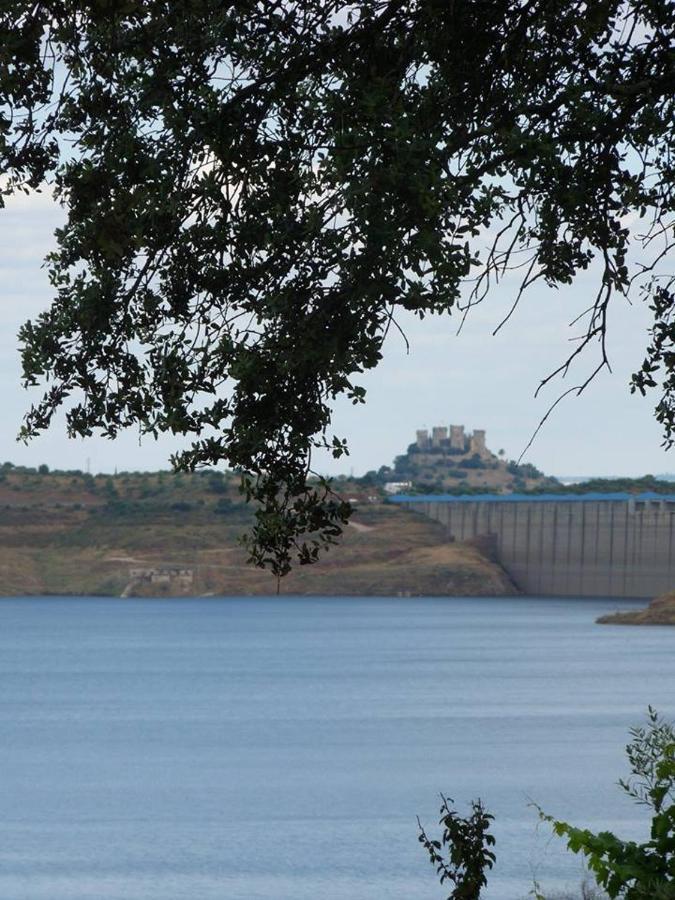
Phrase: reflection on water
(252,749)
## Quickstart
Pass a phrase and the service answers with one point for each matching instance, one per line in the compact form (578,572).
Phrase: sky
(472,378)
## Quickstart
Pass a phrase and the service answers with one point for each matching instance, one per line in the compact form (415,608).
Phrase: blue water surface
(281,748)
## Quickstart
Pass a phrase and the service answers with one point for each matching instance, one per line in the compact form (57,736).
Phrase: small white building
(397,487)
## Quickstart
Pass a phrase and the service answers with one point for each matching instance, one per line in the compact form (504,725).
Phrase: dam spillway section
(582,545)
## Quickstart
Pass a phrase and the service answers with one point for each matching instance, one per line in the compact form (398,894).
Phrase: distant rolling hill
(161,534)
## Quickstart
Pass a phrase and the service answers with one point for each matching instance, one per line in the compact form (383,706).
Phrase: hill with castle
(177,533)
(451,460)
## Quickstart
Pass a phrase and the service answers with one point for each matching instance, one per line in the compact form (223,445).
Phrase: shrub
(474,462)
(216,483)
(466,842)
(624,868)
(110,489)
(621,869)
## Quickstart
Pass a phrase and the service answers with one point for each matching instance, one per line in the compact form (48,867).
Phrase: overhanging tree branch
(254,190)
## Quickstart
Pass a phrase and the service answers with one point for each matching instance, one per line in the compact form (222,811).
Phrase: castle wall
(570,547)
(457,439)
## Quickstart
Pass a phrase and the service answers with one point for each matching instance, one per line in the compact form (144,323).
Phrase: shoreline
(661,611)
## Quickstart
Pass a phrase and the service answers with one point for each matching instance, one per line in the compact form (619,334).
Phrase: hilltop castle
(456,441)
(446,458)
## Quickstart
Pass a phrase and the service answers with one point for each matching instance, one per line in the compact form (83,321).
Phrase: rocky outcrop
(659,612)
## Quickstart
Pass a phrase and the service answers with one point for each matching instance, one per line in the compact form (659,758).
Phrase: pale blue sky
(473,379)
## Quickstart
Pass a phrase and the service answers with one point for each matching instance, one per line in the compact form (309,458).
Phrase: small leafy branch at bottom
(467,843)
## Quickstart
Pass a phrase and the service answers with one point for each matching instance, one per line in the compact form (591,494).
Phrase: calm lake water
(281,748)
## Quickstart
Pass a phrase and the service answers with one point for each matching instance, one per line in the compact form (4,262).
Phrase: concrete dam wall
(607,545)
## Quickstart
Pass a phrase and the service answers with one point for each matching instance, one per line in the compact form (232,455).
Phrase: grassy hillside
(74,533)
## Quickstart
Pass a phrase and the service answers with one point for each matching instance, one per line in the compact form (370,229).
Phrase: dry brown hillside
(659,612)
(159,534)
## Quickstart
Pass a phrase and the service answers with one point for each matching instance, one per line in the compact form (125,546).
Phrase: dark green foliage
(610,486)
(523,470)
(223,507)
(254,191)
(659,362)
(404,468)
(473,462)
(110,489)
(117,509)
(217,484)
(382,475)
(627,869)
(463,853)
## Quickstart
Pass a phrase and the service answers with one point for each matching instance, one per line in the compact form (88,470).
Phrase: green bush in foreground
(623,869)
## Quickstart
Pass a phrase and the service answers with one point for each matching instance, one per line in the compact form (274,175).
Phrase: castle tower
(422,439)
(457,437)
(437,435)
(478,442)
